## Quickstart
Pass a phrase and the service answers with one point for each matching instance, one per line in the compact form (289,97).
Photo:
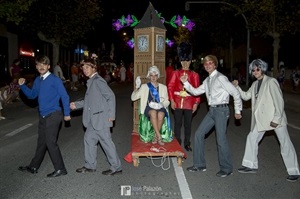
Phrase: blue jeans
(218,117)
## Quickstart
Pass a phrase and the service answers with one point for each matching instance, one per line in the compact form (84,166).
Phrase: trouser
(187,115)
(216,117)
(288,152)
(48,130)
(91,139)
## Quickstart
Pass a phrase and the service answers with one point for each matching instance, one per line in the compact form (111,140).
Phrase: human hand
(161,105)
(21,81)
(67,118)
(195,106)
(274,125)
(173,106)
(155,106)
(238,116)
(72,106)
(184,78)
(111,119)
(138,82)
(235,83)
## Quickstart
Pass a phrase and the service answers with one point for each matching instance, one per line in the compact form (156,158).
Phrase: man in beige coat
(267,114)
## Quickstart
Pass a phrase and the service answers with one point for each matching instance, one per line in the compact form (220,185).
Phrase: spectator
(74,73)
(169,71)
(1,116)
(122,73)
(58,72)
(15,69)
(129,73)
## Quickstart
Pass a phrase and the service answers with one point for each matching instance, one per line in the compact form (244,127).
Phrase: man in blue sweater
(49,90)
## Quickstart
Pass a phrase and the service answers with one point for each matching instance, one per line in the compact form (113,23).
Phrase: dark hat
(184,51)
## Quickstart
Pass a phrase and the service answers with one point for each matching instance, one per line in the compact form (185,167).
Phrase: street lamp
(187,8)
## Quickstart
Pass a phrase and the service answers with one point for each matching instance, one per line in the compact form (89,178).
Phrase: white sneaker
(2,118)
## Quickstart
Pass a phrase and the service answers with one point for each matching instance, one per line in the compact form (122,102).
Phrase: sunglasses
(258,69)
(209,63)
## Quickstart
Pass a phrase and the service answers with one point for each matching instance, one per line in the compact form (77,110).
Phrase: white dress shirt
(218,89)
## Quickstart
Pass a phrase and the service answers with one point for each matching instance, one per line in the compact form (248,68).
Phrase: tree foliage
(62,22)
(14,10)
(274,18)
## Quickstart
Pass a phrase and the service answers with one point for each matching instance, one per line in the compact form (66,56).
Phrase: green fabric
(147,133)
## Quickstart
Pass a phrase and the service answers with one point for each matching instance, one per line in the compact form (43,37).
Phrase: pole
(187,8)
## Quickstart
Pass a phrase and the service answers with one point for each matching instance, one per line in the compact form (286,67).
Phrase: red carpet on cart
(138,146)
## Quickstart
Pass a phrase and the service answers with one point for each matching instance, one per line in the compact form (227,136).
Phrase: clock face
(143,43)
(160,43)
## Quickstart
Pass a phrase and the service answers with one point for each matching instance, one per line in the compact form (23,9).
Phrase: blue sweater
(49,92)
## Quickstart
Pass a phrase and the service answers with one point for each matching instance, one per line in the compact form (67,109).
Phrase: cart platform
(142,149)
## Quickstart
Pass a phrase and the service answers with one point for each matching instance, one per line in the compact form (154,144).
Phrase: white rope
(163,159)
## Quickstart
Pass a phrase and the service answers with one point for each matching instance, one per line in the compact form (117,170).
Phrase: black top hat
(184,51)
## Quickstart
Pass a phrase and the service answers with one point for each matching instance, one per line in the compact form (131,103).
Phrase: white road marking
(183,185)
(294,126)
(18,130)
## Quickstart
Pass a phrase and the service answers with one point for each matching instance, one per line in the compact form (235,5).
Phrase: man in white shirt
(58,72)
(218,89)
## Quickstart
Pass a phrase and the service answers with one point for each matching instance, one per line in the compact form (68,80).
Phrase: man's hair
(89,61)
(42,59)
(259,64)
(211,58)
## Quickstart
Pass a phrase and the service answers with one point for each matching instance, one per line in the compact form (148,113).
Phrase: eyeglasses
(209,63)
(257,69)
(41,65)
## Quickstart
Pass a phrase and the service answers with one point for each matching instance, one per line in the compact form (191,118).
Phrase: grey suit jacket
(99,103)
(269,105)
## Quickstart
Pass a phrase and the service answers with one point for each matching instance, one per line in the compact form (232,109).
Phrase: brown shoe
(85,170)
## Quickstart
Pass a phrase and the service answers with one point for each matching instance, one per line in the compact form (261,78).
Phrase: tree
(14,10)
(62,22)
(273,18)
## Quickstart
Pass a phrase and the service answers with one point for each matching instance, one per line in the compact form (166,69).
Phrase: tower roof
(150,19)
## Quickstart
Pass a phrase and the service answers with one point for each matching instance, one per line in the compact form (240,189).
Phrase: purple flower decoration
(178,20)
(190,25)
(130,43)
(170,43)
(129,20)
(117,25)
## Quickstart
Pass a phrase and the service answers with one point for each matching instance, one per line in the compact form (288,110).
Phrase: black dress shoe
(194,169)
(111,173)
(58,173)
(28,169)
(188,148)
(85,170)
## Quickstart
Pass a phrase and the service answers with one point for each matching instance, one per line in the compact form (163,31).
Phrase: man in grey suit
(99,107)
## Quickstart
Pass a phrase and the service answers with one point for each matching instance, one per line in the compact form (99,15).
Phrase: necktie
(209,85)
(42,78)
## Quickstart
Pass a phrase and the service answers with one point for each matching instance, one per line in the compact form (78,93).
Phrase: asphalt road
(153,178)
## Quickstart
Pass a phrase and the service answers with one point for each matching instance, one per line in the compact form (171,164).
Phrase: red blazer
(175,86)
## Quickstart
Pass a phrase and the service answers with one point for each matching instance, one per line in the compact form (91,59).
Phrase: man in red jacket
(183,104)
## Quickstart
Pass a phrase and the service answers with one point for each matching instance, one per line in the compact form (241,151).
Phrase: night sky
(114,9)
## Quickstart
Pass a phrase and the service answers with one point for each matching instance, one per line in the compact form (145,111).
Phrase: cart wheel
(136,161)
(179,161)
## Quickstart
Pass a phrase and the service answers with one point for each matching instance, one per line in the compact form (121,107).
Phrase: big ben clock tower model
(149,50)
